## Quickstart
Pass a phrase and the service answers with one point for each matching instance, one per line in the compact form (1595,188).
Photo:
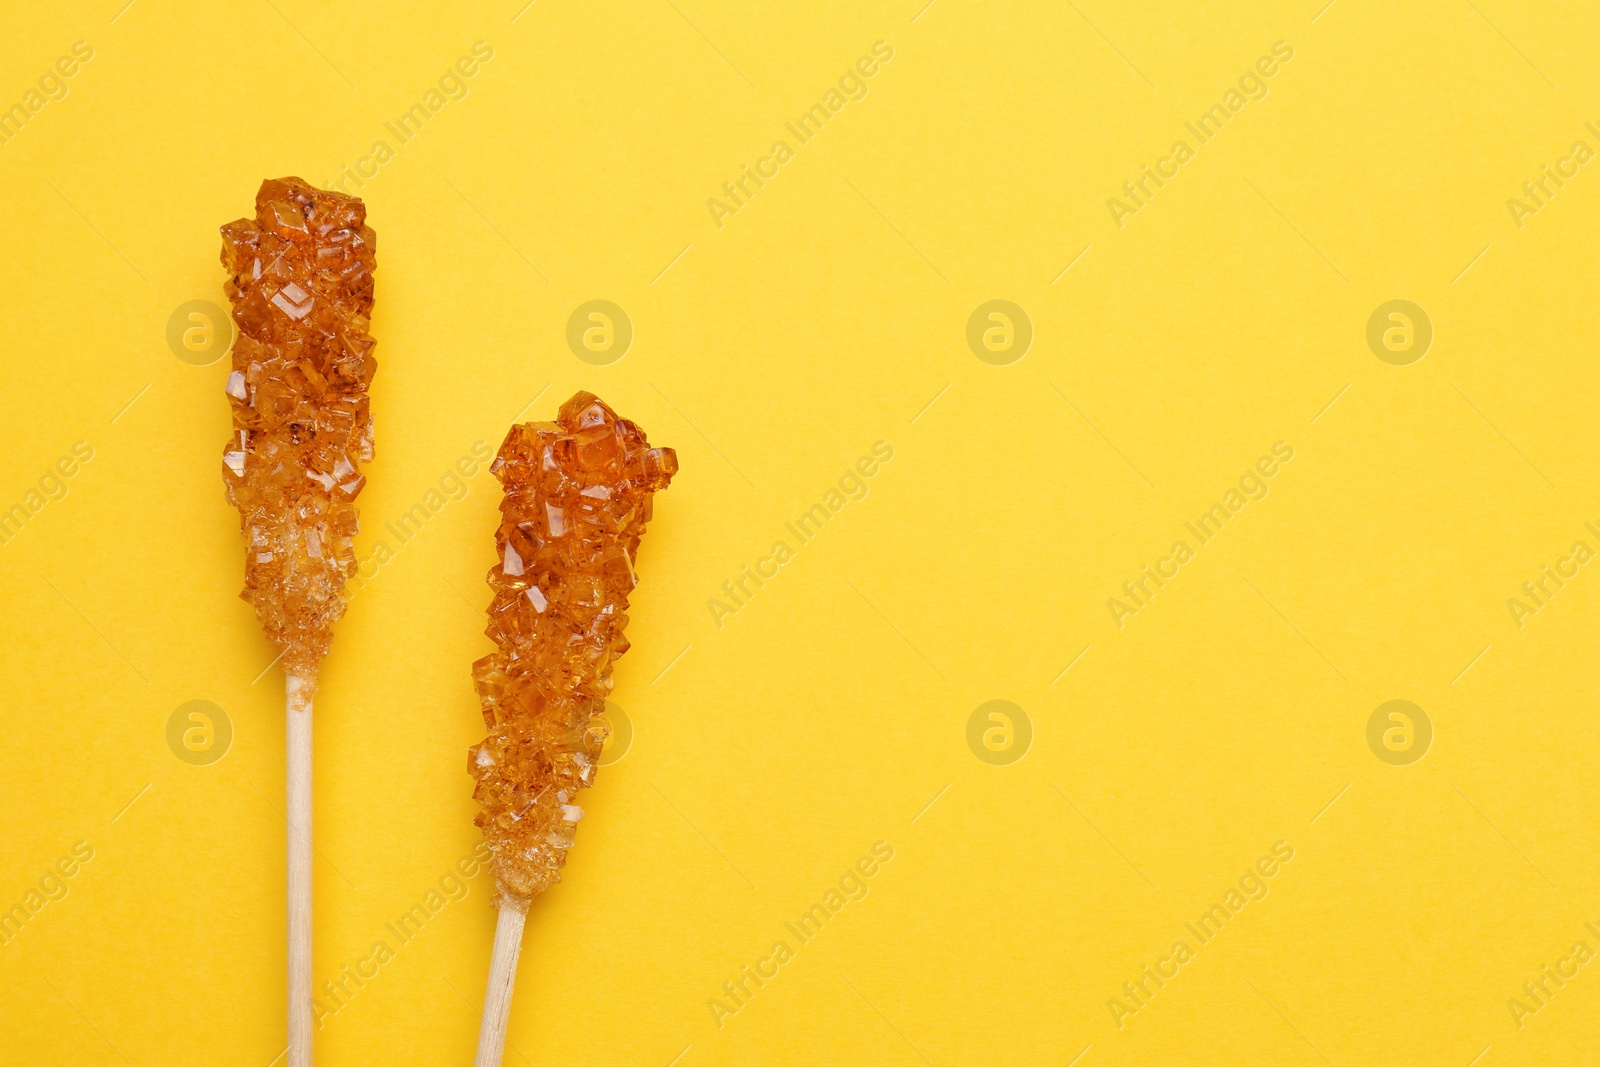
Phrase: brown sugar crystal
(301,287)
(577,498)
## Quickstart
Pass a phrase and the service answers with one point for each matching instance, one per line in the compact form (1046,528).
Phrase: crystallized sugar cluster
(577,498)
(301,288)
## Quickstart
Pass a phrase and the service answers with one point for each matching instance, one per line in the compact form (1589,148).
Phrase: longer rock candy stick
(301,288)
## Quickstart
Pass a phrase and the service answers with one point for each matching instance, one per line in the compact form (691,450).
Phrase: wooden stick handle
(502,976)
(297,712)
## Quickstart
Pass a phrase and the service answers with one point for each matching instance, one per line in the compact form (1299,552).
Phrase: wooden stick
(502,976)
(297,712)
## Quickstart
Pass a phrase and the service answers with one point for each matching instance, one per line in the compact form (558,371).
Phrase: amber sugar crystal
(577,498)
(301,287)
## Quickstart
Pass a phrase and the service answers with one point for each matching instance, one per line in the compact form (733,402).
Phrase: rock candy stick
(301,287)
(577,498)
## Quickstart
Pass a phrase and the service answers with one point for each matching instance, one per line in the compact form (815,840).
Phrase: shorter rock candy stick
(577,498)
(301,287)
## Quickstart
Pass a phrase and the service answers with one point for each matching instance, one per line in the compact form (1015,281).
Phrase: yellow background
(830,313)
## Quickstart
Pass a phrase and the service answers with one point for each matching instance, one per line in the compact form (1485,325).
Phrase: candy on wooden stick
(577,498)
(301,288)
